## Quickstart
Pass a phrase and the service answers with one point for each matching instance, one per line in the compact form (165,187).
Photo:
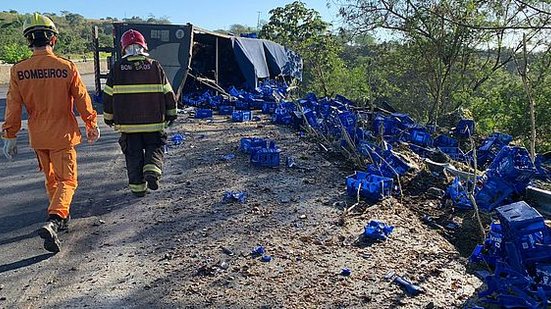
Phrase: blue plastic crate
(203,113)
(465,128)
(247,144)
(387,124)
(514,165)
(445,141)
(311,117)
(225,110)
(256,103)
(493,250)
(377,230)
(397,164)
(543,273)
(269,107)
(543,166)
(347,119)
(495,138)
(524,228)
(493,193)
(457,192)
(371,186)
(282,116)
(420,137)
(290,106)
(403,121)
(242,116)
(520,218)
(242,105)
(387,164)
(265,156)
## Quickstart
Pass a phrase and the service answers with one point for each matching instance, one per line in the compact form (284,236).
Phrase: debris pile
(509,173)
(518,250)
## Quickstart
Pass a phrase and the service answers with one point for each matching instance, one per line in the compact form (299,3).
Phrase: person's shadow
(26,262)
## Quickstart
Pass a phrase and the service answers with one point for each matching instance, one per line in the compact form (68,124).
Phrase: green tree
(325,72)
(293,25)
(238,29)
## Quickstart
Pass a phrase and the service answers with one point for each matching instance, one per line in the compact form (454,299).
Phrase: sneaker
(48,232)
(152,181)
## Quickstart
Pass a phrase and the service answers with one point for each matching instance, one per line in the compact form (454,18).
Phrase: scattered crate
(420,137)
(247,144)
(203,113)
(493,193)
(242,105)
(371,186)
(514,165)
(242,116)
(269,107)
(226,109)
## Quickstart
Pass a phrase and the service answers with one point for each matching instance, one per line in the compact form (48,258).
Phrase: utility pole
(258,21)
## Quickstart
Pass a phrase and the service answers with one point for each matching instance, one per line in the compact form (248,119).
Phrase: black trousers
(144,153)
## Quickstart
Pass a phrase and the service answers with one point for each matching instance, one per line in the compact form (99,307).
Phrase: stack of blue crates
(372,187)
(510,172)
(518,248)
(265,156)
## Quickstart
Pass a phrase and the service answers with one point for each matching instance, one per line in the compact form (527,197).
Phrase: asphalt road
(23,200)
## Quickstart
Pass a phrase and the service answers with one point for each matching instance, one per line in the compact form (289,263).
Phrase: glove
(93,134)
(10,147)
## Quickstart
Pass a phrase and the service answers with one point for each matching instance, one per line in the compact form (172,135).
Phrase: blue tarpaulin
(262,59)
(282,61)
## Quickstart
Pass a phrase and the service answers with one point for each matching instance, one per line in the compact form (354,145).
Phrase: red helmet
(132,36)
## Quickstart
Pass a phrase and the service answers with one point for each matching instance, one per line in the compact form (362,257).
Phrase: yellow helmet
(38,22)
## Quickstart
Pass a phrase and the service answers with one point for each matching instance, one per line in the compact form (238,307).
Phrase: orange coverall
(49,87)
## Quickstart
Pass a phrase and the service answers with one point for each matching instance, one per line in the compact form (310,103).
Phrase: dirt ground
(182,247)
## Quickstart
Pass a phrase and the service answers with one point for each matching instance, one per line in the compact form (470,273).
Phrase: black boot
(152,181)
(48,232)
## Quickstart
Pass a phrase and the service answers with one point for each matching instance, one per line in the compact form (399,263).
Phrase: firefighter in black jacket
(139,102)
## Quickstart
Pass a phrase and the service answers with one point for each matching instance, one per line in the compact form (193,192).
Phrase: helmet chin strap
(133,50)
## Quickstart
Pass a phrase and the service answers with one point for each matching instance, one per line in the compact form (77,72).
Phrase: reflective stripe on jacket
(137,96)
(49,87)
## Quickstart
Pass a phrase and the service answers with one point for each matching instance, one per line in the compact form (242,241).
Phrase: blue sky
(209,14)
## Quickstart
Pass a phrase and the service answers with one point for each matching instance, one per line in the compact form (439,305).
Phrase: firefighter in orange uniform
(49,87)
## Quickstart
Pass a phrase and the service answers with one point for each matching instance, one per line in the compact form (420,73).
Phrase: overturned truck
(195,58)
